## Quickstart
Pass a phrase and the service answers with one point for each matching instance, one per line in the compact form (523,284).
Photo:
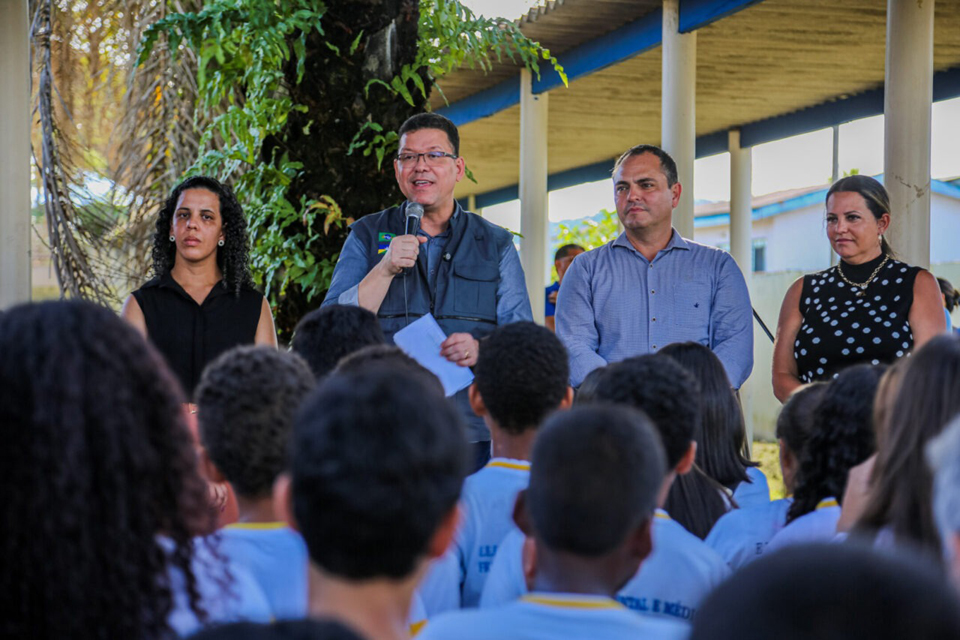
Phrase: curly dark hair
(325,335)
(795,421)
(378,458)
(378,356)
(842,437)
(522,374)
(722,451)
(246,402)
(232,258)
(97,463)
(662,389)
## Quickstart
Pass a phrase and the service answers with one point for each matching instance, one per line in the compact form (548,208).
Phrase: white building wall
(945,223)
(797,240)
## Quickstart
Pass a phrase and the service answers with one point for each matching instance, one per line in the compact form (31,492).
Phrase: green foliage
(242,47)
(589,233)
(245,49)
(452,36)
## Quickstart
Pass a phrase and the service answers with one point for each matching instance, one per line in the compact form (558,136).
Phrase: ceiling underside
(767,60)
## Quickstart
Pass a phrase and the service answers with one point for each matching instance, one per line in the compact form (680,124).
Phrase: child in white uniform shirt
(521,375)
(378,458)
(681,570)
(595,478)
(246,401)
(742,535)
(842,437)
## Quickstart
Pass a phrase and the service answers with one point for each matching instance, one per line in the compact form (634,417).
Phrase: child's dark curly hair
(97,464)
(246,402)
(842,437)
(232,257)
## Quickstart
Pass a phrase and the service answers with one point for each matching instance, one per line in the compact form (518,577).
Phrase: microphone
(413,213)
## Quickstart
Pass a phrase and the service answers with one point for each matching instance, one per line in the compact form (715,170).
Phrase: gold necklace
(862,285)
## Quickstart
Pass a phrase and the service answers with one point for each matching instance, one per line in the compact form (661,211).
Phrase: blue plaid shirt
(614,304)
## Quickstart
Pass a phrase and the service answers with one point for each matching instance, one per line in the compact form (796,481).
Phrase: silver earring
(220,242)
(172,239)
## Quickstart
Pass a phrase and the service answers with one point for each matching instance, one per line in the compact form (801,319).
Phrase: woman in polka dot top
(870,308)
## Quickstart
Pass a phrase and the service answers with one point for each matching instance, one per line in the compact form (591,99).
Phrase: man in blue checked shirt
(649,287)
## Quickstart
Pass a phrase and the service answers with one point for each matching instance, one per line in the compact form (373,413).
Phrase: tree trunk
(332,89)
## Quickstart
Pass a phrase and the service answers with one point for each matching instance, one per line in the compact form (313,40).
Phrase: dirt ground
(768,455)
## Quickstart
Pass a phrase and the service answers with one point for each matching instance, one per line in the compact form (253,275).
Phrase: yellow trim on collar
(519,466)
(573,603)
(417,627)
(257,526)
(662,516)
(828,502)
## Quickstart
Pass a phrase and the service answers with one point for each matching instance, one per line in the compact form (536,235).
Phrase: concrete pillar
(741,205)
(834,176)
(14,153)
(907,106)
(533,191)
(741,240)
(678,126)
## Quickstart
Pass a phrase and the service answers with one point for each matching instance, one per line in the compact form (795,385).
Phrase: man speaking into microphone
(451,263)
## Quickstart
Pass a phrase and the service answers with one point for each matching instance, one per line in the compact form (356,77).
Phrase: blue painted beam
(623,43)
(588,173)
(696,14)
(712,144)
(821,116)
(498,196)
(946,85)
(484,103)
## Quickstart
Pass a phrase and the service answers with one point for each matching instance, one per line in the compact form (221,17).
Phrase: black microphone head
(414,210)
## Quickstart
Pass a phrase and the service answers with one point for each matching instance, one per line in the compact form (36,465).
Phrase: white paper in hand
(421,340)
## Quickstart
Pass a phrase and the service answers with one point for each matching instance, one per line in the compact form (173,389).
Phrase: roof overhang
(771,68)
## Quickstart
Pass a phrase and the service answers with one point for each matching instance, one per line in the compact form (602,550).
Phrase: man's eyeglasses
(432,158)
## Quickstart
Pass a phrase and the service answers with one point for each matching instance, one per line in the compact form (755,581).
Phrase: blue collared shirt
(513,304)
(614,304)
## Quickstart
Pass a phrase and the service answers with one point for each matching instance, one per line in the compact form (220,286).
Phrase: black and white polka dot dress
(841,329)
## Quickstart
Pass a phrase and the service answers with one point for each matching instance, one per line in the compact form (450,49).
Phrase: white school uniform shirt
(228,592)
(754,493)
(553,616)
(276,556)
(820,525)
(676,576)
(417,618)
(487,503)
(742,535)
(672,581)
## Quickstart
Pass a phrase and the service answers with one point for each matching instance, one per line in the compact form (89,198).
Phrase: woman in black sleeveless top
(870,308)
(202,301)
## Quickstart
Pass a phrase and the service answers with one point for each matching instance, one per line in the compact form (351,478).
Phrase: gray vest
(465,297)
